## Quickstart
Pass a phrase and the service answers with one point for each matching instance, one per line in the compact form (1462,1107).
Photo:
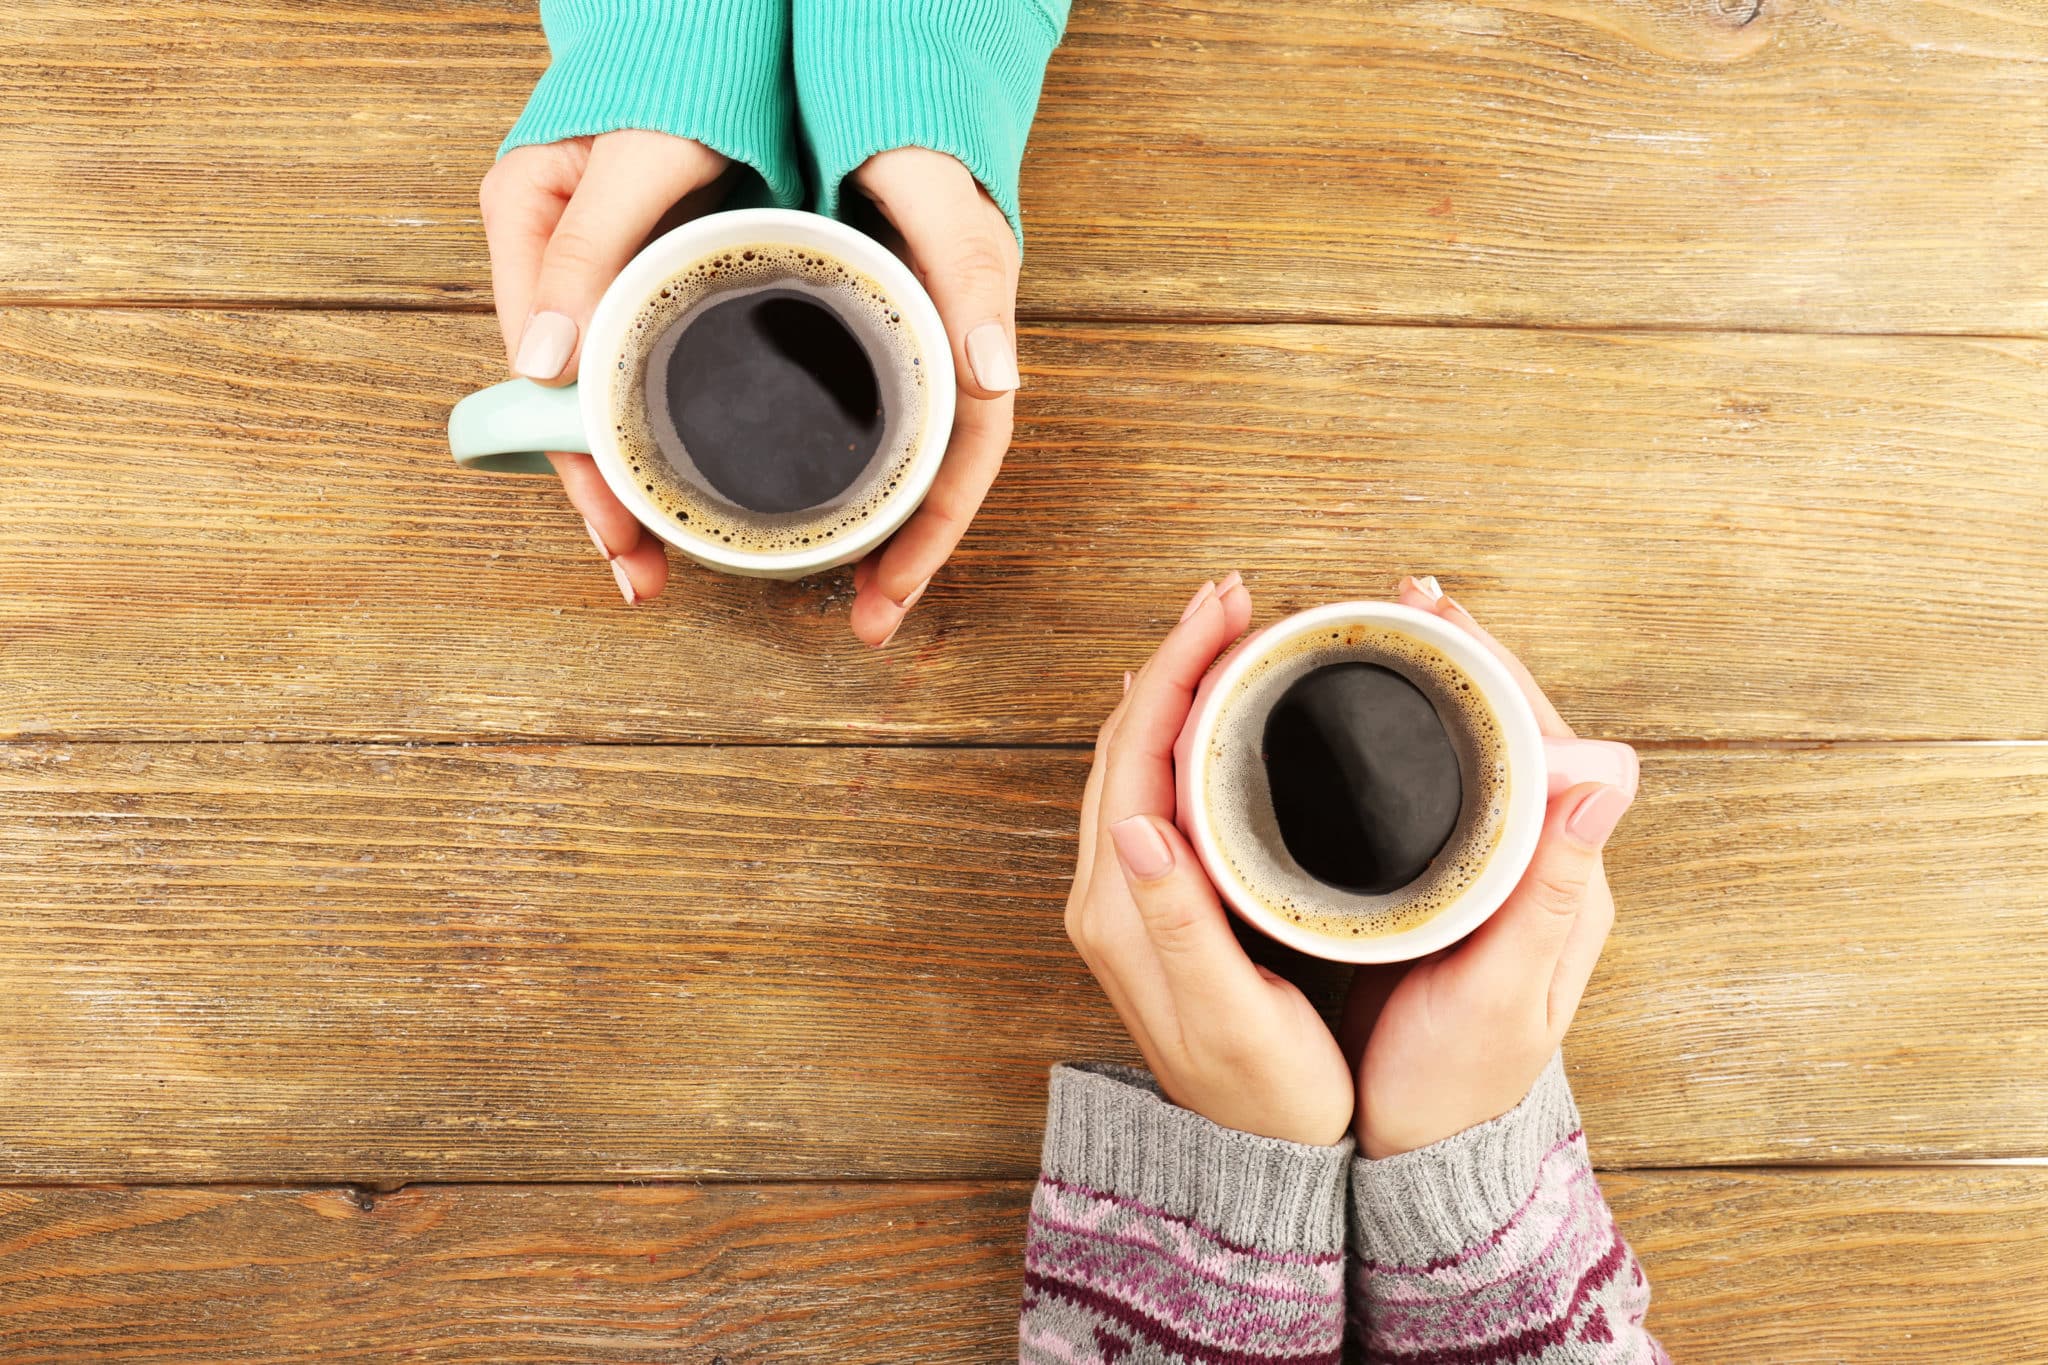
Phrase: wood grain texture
(1937,1267)
(246,525)
(1876,165)
(360,963)
(575,1274)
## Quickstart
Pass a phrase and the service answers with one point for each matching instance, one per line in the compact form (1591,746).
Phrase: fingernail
(1230,580)
(625,584)
(992,358)
(544,347)
(1127,680)
(1597,816)
(596,539)
(1138,846)
(1202,594)
(1575,762)
(883,643)
(1428,586)
(1446,600)
(910,600)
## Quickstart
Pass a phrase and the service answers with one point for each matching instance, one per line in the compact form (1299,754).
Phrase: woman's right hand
(1224,1037)
(562,219)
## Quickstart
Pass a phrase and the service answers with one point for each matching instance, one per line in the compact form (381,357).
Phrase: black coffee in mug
(1356,781)
(772,397)
(1363,775)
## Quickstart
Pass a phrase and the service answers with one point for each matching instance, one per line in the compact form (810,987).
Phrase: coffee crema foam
(859,302)
(1239,802)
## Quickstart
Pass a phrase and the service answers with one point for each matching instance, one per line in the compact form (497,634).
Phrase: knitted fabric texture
(957,76)
(1495,1245)
(1156,1236)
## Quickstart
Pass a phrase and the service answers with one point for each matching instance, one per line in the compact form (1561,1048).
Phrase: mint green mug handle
(509,428)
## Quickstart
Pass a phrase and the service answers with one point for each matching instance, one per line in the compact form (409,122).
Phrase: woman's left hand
(961,246)
(1459,1037)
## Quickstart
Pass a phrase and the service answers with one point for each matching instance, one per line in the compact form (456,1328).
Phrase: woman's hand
(960,245)
(1223,1037)
(562,220)
(1459,1037)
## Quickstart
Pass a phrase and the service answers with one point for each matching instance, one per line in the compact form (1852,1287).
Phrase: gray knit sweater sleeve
(1496,1245)
(1157,1236)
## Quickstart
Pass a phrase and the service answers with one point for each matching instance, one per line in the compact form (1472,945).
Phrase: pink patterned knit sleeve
(1495,1247)
(1156,1236)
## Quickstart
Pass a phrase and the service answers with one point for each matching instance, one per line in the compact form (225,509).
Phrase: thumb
(632,179)
(1518,949)
(1199,956)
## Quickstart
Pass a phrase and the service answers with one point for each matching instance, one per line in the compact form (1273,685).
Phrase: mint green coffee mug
(508,428)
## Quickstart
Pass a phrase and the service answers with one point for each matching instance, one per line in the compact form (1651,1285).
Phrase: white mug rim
(702,237)
(1521,825)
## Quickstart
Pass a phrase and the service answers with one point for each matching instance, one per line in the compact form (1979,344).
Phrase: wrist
(1411,1206)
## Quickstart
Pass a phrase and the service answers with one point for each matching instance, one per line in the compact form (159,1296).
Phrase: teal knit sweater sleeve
(957,76)
(714,70)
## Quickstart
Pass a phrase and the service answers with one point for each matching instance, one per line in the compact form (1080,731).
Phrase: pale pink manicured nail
(1140,848)
(1202,594)
(1127,680)
(625,584)
(910,601)
(545,345)
(992,358)
(1428,587)
(1230,580)
(597,540)
(884,641)
(1597,816)
(1574,762)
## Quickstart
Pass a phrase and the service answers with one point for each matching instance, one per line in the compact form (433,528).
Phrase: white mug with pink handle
(1527,768)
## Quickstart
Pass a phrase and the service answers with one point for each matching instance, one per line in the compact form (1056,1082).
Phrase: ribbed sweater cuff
(1110,1129)
(957,76)
(1440,1199)
(714,70)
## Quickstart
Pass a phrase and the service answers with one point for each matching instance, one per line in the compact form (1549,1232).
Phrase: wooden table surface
(409,952)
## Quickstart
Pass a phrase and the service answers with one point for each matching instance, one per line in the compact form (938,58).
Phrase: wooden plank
(1875,166)
(890,1272)
(365,963)
(1804,1268)
(246,525)
(1816,1268)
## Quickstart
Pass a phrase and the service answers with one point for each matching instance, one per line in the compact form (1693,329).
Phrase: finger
(974,455)
(1140,776)
(613,527)
(1091,799)
(1237,611)
(1432,598)
(642,571)
(963,250)
(1581,953)
(1568,763)
(633,177)
(1516,953)
(1204,967)
(522,199)
(639,562)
